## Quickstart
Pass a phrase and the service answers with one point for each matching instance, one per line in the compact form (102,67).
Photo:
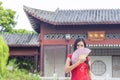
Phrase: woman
(81,69)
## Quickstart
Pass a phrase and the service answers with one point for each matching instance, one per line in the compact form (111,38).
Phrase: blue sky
(51,5)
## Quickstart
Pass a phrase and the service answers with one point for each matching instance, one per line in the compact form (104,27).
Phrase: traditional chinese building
(58,29)
(25,46)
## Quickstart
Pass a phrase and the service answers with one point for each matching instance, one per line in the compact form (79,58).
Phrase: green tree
(4,54)
(22,31)
(7,22)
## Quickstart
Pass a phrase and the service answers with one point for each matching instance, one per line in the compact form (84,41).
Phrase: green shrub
(17,74)
(4,54)
(11,71)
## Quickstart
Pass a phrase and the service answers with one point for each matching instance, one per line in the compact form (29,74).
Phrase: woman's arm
(90,75)
(90,71)
(69,67)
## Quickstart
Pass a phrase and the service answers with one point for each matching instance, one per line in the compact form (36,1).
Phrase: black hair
(77,41)
(75,47)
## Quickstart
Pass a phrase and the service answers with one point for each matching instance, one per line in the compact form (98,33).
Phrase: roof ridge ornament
(57,10)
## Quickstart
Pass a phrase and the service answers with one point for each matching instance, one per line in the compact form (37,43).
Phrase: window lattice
(62,36)
(112,36)
(82,35)
(75,36)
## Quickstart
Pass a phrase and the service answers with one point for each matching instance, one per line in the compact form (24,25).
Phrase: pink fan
(78,52)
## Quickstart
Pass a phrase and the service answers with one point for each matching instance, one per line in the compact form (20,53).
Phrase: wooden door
(54,60)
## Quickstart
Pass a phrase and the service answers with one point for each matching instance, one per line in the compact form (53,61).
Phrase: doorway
(54,60)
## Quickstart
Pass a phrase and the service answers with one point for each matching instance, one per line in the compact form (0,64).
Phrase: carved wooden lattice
(83,35)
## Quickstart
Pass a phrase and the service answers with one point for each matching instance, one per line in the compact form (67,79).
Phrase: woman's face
(80,44)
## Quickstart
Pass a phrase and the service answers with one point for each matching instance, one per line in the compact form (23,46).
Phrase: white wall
(108,61)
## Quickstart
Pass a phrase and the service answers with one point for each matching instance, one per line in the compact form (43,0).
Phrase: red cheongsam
(81,72)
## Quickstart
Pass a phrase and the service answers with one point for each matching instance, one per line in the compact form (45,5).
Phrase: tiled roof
(21,39)
(76,17)
(17,40)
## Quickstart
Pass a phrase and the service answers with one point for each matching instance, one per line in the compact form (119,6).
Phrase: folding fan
(80,52)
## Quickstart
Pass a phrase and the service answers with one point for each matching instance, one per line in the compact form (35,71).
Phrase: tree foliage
(7,22)
(4,54)
(21,31)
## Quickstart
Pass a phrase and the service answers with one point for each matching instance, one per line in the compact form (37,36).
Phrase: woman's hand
(82,58)
(69,67)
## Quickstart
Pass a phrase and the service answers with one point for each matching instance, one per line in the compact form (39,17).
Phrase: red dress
(81,72)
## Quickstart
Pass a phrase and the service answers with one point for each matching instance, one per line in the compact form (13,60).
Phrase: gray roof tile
(21,39)
(92,16)
(74,17)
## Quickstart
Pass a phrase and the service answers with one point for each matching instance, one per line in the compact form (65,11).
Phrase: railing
(68,78)
(54,78)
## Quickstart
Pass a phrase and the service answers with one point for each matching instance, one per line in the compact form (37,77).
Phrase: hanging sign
(96,35)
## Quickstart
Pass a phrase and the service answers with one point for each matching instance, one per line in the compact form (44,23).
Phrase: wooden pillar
(36,62)
(42,61)
(68,51)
